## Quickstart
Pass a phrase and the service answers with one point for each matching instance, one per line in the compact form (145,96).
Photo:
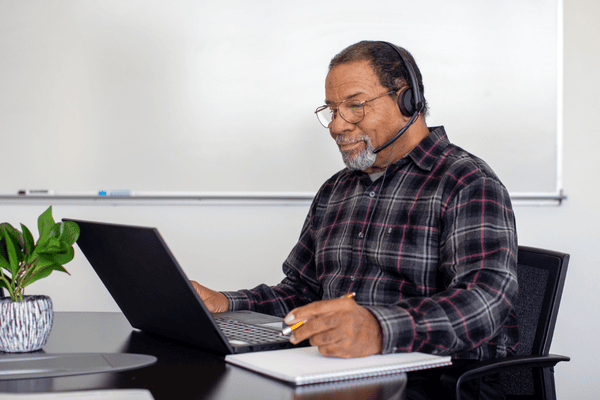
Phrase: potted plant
(26,321)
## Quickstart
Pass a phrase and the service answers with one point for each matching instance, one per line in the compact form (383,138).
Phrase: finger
(340,342)
(337,350)
(322,324)
(349,333)
(336,342)
(213,300)
(347,349)
(318,308)
(327,337)
(197,287)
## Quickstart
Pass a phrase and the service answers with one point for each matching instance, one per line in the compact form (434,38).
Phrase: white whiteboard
(195,96)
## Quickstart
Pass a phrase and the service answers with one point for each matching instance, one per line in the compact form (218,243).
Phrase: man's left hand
(339,327)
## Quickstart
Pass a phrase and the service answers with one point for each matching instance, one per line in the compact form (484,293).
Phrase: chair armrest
(505,364)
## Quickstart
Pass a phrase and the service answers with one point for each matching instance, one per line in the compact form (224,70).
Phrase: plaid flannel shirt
(431,254)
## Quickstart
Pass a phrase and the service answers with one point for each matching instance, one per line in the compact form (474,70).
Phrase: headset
(410,100)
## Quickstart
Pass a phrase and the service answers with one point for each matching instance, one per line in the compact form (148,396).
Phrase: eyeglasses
(351,111)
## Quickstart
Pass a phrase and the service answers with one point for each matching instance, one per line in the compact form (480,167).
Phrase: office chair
(530,373)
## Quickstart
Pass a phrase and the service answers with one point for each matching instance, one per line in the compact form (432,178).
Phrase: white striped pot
(25,325)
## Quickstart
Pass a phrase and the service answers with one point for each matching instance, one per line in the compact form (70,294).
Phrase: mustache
(347,140)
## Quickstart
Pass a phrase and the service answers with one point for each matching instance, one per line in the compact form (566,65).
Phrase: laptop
(154,294)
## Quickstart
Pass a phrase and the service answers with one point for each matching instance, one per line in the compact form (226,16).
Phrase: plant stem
(28,270)
(8,287)
(18,280)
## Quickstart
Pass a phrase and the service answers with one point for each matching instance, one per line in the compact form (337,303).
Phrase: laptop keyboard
(237,331)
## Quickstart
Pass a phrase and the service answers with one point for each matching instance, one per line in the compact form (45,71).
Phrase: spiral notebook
(305,365)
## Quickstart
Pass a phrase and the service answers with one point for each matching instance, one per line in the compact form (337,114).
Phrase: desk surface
(182,371)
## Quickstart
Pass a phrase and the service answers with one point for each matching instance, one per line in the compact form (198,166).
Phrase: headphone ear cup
(406,102)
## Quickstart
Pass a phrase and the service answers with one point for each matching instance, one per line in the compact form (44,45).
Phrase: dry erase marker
(290,329)
(116,193)
(36,192)
(121,193)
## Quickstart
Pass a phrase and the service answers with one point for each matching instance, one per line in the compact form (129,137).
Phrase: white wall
(228,247)
(575,226)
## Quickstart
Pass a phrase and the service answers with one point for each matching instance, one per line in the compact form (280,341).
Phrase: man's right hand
(215,302)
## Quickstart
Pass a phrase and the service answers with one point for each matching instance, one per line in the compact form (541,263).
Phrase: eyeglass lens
(351,112)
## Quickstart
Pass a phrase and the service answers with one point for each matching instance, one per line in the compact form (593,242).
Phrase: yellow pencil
(286,331)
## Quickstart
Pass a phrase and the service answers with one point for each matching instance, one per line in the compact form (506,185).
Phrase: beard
(358,160)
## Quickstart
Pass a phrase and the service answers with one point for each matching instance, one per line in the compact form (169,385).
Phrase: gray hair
(388,65)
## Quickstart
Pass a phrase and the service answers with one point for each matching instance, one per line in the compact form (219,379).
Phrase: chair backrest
(541,274)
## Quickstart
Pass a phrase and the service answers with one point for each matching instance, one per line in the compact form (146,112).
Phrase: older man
(422,231)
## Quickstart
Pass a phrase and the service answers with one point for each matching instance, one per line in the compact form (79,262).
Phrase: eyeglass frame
(361,103)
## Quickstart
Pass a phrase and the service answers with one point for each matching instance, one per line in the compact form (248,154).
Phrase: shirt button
(361,235)
(372,194)
(352,278)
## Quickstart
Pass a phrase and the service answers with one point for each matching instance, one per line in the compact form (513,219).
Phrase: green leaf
(17,240)
(3,232)
(5,264)
(43,260)
(18,251)
(12,256)
(2,225)
(69,232)
(3,252)
(64,257)
(55,231)
(13,232)
(45,225)
(53,245)
(28,240)
(3,228)
(43,273)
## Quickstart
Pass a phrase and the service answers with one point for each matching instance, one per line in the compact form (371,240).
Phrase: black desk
(182,371)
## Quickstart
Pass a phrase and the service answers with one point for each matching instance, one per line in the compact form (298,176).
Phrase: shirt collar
(424,155)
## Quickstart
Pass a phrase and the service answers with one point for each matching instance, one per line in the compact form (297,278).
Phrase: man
(422,231)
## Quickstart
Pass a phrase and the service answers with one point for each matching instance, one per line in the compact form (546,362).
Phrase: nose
(340,126)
